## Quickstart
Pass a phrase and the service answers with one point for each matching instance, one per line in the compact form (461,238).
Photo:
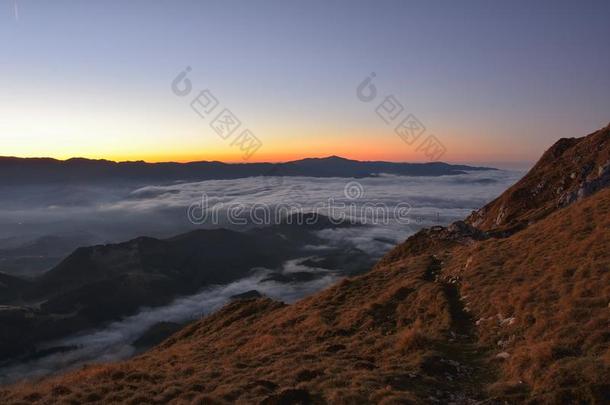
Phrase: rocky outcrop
(429,240)
(569,171)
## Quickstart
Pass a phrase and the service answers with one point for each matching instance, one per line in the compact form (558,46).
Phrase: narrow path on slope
(464,363)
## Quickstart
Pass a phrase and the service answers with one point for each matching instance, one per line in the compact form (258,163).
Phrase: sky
(491,81)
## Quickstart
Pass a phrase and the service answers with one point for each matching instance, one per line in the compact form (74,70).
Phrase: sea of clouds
(110,214)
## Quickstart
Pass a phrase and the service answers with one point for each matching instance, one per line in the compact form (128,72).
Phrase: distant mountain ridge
(19,171)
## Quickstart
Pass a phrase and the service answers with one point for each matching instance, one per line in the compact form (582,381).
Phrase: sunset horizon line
(523,162)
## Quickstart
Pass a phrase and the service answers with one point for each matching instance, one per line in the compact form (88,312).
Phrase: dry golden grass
(554,279)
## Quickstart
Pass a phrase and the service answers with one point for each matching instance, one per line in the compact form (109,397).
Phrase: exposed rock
(506,321)
(502,355)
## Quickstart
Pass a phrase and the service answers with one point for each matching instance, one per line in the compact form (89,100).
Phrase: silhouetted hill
(103,283)
(19,171)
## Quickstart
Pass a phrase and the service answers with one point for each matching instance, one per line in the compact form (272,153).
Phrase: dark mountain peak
(327,159)
(336,158)
(81,160)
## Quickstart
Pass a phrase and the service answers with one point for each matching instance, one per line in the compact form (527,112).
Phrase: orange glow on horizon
(271,157)
(350,144)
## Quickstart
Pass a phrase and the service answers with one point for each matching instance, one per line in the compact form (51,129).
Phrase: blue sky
(493,81)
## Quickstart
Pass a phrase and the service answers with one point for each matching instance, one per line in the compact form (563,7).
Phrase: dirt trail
(463,361)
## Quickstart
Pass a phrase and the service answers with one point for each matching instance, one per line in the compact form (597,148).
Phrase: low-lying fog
(114,341)
(90,215)
(83,215)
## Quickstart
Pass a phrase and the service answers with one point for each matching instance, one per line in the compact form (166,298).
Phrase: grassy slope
(554,279)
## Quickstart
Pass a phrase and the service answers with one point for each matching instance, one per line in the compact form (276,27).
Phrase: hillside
(515,310)
(570,170)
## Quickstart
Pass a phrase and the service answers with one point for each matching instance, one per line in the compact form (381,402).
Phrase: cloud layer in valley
(115,214)
(113,342)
